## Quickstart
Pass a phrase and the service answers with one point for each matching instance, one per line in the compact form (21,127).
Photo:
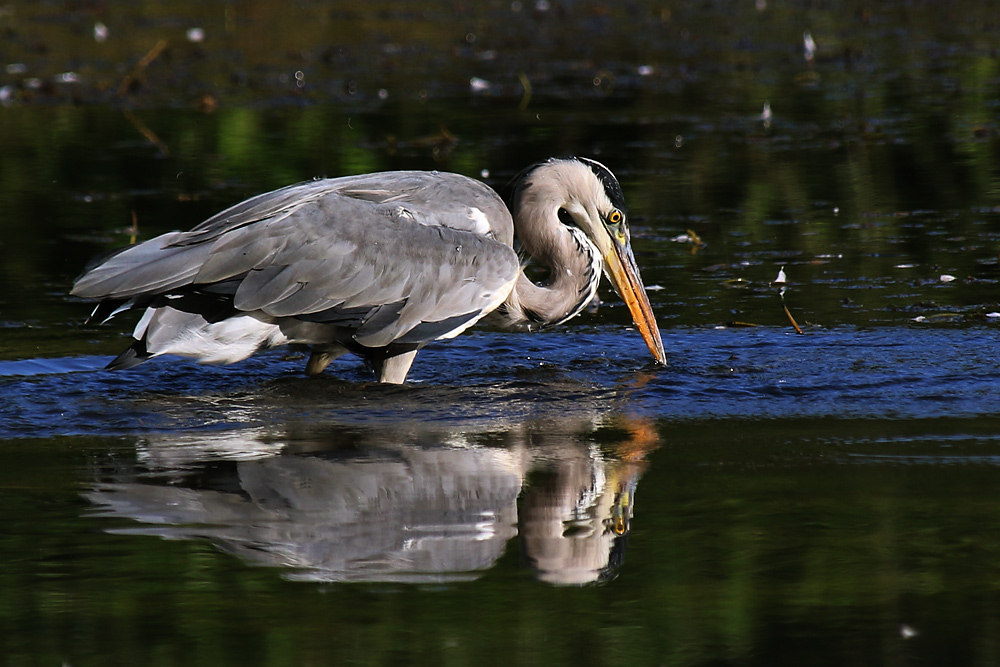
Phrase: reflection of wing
(388,502)
(421,515)
(396,262)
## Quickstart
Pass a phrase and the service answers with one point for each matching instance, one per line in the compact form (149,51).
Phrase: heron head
(584,194)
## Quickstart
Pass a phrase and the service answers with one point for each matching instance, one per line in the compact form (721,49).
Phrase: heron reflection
(397,504)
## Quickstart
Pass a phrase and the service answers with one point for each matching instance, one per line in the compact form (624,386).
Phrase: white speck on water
(808,46)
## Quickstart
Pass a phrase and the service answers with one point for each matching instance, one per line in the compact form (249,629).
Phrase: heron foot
(319,360)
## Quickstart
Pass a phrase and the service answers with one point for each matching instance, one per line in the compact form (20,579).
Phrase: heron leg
(393,368)
(320,359)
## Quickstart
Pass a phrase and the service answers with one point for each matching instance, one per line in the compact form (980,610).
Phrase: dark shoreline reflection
(398,502)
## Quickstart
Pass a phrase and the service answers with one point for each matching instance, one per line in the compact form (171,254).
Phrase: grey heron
(376,264)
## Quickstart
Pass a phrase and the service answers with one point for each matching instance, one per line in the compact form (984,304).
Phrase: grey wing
(370,261)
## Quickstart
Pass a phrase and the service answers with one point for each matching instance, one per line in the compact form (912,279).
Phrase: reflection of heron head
(574,523)
(621,512)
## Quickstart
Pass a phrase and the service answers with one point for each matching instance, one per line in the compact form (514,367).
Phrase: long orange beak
(620,267)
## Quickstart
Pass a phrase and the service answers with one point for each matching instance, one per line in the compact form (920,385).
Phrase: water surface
(768,497)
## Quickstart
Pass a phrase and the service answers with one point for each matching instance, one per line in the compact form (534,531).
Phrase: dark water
(769,497)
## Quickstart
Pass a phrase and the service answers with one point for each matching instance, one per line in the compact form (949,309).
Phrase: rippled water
(884,373)
(767,497)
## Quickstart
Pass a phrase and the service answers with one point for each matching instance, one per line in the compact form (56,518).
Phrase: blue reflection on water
(768,373)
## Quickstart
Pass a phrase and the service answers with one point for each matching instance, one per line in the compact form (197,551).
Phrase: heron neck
(570,286)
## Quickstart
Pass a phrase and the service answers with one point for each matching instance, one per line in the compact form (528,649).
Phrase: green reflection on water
(782,543)
(839,216)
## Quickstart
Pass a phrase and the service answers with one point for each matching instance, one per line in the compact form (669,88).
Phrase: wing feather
(401,256)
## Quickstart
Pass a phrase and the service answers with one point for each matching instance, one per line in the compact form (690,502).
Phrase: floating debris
(788,314)
(691,237)
(945,278)
(781,281)
(526,85)
(939,318)
(101,32)
(808,46)
(132,78)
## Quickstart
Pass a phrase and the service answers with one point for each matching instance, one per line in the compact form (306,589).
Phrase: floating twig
(781,281)
(789,314)
(140,66)
(134,230)
(526,84)
(695,241)
(146,132)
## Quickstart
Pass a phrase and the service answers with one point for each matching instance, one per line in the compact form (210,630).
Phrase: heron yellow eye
(615,217)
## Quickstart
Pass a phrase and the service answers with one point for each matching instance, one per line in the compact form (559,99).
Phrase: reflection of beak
(619,518)
(621,269)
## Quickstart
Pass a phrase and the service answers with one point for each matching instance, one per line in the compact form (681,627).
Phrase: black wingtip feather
(134,355)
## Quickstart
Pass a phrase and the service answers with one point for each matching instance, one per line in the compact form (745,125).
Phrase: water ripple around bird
(756,373)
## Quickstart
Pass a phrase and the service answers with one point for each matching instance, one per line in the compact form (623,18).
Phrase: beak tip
(660,355)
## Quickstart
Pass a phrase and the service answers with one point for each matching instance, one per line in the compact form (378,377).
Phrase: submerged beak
(621,269)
